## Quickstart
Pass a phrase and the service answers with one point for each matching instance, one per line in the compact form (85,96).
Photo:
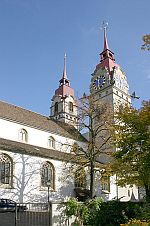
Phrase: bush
(96,212)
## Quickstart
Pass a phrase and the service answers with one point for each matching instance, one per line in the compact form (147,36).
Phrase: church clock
(99,82)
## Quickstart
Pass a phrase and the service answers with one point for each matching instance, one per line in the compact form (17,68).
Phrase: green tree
(132,139)
(146,40)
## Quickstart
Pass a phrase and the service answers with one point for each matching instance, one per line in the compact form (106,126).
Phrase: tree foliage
(146,40)
(95,119)
(132,139)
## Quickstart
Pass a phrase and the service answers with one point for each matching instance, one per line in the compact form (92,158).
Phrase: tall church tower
(109,82)
(63,107)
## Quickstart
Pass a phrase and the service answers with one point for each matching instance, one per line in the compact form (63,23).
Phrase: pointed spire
(105,40)
(107,58)
(64,83)
(104,27)
(65,63)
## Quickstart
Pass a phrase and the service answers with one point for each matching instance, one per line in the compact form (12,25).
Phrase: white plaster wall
(27,180)
(10,130)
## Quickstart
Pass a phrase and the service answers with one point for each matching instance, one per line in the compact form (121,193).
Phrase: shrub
(96,212)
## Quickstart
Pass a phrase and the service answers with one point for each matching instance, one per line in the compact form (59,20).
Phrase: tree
(95,119)
(146,45)
(132,139)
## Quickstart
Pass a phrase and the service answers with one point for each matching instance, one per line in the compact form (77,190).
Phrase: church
(34,148)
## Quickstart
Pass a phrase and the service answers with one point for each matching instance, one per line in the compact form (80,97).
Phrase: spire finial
(65,71)
(104,27)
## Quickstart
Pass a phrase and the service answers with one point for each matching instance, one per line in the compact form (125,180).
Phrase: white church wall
(27,180)
(10,130)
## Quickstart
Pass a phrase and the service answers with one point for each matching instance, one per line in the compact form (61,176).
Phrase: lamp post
(48,186)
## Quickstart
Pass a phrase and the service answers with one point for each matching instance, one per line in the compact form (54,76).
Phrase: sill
(6,186)
(105,192)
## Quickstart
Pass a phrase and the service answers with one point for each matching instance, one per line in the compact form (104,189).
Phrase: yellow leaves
(134,222)
(146,45)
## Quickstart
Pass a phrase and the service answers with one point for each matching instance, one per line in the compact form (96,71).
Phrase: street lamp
(48,186)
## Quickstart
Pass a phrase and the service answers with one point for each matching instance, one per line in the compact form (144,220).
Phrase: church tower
(63,107)
(109,82)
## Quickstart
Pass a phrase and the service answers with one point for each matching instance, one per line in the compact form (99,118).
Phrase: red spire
(107,56)
(105,40)
(64,83)
(65,71)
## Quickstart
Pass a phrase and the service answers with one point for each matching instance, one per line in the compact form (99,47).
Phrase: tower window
(56,108)
(71,106)
(51,142)
(104,55)
(23,135)
(5,169)
(48,175)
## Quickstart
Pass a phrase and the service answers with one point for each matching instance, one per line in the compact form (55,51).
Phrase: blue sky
(35,34)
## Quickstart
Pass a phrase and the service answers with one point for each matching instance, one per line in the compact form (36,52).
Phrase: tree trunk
(92,180)
(147,190)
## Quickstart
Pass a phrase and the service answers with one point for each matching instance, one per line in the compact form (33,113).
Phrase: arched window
(6,164)
(71,106)
(48,175)
(105,183)
(51,142)
(23,135)
(56,108)
(80,178)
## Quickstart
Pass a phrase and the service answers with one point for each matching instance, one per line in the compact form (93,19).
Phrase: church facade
(34,148)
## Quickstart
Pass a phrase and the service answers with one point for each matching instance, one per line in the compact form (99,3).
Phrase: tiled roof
(27,149)
(35,120)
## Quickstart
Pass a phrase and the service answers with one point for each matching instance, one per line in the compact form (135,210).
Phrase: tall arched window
(51,142)
(71,106)
(56,108)
(6,164)
(23,135)
(105,183)
(48,175)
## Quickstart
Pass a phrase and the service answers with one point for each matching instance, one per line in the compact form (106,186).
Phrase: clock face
(99,82)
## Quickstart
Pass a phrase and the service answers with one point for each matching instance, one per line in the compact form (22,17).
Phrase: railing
(27,214)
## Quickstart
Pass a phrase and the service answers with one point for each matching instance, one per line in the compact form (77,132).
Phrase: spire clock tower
(109,82)
(63,107)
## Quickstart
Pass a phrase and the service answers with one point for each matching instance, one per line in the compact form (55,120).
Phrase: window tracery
(5,170)
(48,175)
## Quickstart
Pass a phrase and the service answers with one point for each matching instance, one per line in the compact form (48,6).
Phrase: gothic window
(71,106)
(51,142)
(5,170)
(105,183)
(48,175)
(80,178)
(23,135)
(56,108)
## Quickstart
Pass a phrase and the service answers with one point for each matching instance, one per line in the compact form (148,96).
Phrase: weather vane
(104,25)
